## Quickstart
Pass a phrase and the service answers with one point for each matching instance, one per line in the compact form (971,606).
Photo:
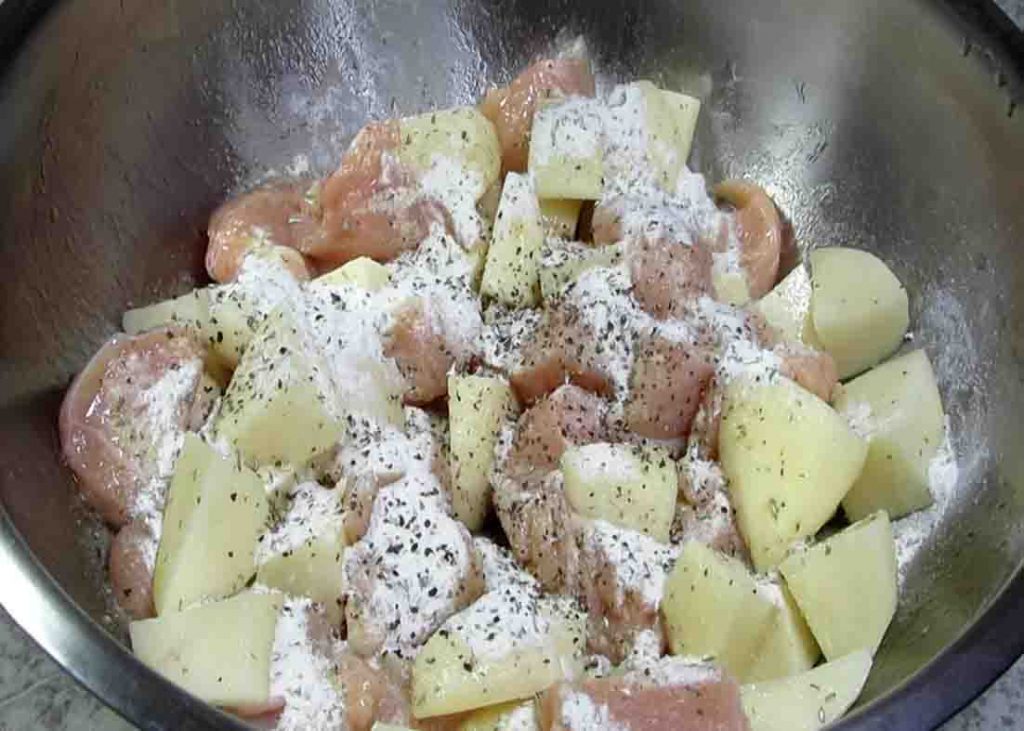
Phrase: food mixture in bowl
(512,423)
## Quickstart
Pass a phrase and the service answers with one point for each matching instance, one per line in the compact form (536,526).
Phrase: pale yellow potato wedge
(274,410)
(313,569)
(859,308)
(845,586)
(219,652)
(904,414)
(790,459)
(787,308)
(460,669)
(510,272)
(190,311)
(713,606)
(477,408)
(362,272)
(566,154)
(216,509)
(622,484)
(789,648)
(560,216)
(564,262)
(511,716)
(810,700)
(462,136)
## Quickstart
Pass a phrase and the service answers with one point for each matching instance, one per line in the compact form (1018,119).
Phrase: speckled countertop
(36,694)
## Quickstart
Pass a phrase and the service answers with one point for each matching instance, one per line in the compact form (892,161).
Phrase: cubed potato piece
(787,308)
(215,511)
(713,606)
(907,428)
(859,308)
(728,283)
(789,648)
(274,410)
(511,716)
(564,263)
(560,216)
(471,662)
(477,408)
(670,121)
(462,135)
(219,652)
(510,273)
(362,272)
(686,110)
(808,701)
(845,586)
(191,311)
(789,458)
(314,569)
(622,484)
(566,155)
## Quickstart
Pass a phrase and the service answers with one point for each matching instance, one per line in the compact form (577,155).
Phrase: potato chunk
(560,216)
(508,645)
(561,265)
(477,407)
(859,308)
(789,647)
(787,308)
(462,135)
(275,409)
(511,716)
(622,484)
(845,586)
(191,311)
(215,511)
(907,424)
(808,701)
(510,272)
(566,155)
(789,459)
(362,272)
(219,652)
(713,606)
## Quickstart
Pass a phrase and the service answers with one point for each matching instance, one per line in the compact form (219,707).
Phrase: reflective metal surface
(882,123)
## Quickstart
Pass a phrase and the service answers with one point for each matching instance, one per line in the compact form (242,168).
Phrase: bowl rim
(952,679)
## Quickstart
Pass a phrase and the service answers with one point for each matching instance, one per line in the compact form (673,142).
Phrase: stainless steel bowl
(884,124)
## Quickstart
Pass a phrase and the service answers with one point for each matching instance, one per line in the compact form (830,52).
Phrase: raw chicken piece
(415,567)
(124,416)
(511,108)
(813,369)
(619,579)
(132,556)
(668,275)
(564,349)
(759,230)
(570,416)
(417,343)
(666,387)
(371,205)
(671,694)
(276,215)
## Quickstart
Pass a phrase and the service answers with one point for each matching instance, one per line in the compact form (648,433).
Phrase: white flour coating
(314,511)
(522,718)
(641,563)
(860,419)
(912,532)
(675,671)
(458,189)
(501,622)
(404,577)
(500,568)
(572,130)
(578,712)
(596,463)
(159,420)
(743,359)
(601,297)
(301,674)
(504,334)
